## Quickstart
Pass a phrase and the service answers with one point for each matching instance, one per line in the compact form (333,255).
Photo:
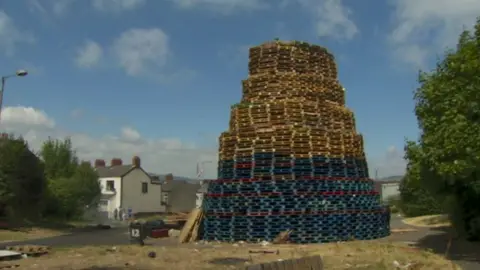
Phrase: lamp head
(21,73)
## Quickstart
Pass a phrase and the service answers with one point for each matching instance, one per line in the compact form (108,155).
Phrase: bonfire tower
(291,158)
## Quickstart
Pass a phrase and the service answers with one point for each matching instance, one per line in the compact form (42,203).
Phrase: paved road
(114,236)
(466,254)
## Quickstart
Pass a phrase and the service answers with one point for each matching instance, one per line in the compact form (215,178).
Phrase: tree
(415,199)
(85,181)
(448,151)
(22,182)
(59,157)
(71,186)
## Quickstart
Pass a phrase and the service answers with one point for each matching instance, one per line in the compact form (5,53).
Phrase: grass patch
(431,221)
(372,255)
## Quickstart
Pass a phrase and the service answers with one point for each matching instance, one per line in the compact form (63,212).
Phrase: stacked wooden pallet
(298,87)
(293,57)
(293,104)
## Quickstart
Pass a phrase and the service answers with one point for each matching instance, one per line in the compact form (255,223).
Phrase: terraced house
(127,188)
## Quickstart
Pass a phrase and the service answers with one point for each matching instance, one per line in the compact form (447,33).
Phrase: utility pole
(19,73)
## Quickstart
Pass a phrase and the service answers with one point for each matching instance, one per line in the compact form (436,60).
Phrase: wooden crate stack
(292,103)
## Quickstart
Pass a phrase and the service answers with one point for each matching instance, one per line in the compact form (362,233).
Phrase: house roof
(176,184)
(114,171)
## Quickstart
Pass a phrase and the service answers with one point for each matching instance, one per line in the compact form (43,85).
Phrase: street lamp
(200,168)
(18,73)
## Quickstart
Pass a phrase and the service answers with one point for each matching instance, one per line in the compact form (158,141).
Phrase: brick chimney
(99,163)
(168,177)
(136,162)
(116,162)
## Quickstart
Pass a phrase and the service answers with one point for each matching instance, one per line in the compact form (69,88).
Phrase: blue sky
(157,78)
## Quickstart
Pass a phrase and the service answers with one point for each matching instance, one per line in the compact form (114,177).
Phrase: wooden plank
(187,228)
(196,227)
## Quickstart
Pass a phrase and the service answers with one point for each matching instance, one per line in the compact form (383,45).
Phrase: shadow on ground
(460,250)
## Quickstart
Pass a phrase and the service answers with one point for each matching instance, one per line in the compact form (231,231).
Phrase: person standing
(115,214)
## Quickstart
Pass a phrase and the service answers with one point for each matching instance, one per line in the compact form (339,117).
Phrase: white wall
(114,200)
(199,200)
(390,190)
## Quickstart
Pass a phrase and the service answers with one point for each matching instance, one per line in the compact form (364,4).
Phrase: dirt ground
(364,255)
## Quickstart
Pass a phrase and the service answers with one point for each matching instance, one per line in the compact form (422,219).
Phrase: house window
(110,185)
(144,187)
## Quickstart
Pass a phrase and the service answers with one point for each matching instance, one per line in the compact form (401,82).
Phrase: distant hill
(392,178)
(175,178)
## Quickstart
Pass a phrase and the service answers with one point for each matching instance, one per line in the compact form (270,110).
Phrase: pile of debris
(190,230)
(12,253)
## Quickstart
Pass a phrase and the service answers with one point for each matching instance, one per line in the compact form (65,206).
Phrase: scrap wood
(282,237)
(196,228)
(30,250)
(265,251)
(189,226)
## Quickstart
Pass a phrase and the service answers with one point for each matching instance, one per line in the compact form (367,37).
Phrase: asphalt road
(114,236)
(466,254)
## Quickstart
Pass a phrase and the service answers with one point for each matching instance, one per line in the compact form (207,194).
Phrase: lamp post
(19,73)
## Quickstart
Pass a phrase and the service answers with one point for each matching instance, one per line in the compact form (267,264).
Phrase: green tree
(448,151)
(415,199)
(22,182)
(59,157)
(71,186)
(85,181)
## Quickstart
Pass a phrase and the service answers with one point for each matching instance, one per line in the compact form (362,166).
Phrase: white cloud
(332,18)
(130,134)
(89,55)
(28,116)
(424,28)
(116,5)
(223,6)
(10,35)
(61,7)
(158,155)
(141,51)
(391,164)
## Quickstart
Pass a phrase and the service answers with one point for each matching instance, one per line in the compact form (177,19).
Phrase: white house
(201,193)
(127,187)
